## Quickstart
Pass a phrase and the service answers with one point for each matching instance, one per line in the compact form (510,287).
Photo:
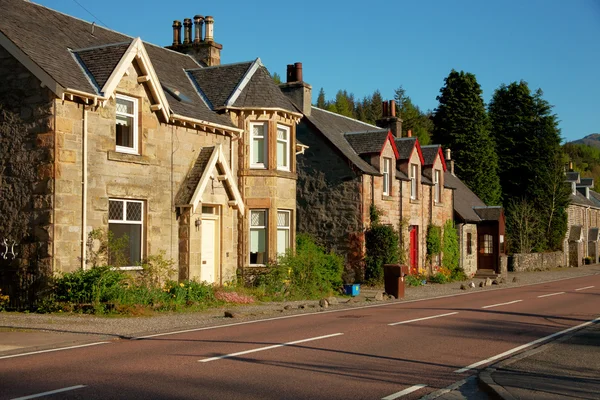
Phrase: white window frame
(387,182)
(125,221)
(287,228)
(134,116)
(436,186)
(414,171)
(265,137)
(287,130)
(264,227)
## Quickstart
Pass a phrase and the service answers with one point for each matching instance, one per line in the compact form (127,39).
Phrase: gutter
(84,185)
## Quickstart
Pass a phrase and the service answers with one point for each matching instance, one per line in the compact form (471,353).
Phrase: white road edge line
(401,303)
(404,392)
(33,396)
(51,350)
(502,304)
(422,319)
(268,347)
(517,349)
(551,294)
(583,288)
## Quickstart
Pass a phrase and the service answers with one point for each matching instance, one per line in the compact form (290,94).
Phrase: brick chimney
(296,89)
(204,49)
(389,120)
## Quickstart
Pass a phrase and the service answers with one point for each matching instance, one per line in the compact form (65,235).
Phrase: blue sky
(362,46)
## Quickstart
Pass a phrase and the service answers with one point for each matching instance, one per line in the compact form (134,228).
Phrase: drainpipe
(84,185)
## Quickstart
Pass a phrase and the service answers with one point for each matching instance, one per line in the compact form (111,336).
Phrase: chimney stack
(198,22)
(204,50)
(449,161)
(299,92)
(176,33)
(409,133)
(389,120)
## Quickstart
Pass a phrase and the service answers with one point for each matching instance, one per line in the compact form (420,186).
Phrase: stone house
(350,165)
(582,238)
(183,155)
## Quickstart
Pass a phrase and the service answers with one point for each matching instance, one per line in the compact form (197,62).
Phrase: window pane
(124,106)
(282,158)
(258,130)
(134,211)
(115,210)
(131,252)
(283,219)
(283,241)
(124,130)
(282,134)
(257,218)
(258,151)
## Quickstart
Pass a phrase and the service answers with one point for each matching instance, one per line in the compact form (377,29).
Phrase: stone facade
(468,253)
(536,261)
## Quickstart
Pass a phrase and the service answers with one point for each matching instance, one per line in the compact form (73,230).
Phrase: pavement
(566,367)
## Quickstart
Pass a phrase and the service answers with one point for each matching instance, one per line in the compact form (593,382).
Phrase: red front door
(414,268)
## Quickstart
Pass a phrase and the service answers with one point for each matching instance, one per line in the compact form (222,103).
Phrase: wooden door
(487,249)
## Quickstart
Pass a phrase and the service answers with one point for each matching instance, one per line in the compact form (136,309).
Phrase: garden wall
(536,261)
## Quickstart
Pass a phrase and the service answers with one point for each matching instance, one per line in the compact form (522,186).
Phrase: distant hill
(591,140)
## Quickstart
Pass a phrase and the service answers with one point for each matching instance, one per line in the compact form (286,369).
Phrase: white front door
(209,241)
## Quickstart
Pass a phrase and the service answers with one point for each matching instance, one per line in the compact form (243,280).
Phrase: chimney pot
(290,73)
(384,109)
(187,31)
(570,166)
(392,108)
(298,74)
(198,22)
(209,33)
(176,33)
(409,133)
(448,153)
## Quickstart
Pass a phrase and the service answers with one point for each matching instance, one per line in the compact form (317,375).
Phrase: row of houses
(215,165)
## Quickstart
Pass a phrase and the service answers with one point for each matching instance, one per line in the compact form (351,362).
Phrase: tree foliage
(461,124)
(586,161)
(382,247)
(413,118)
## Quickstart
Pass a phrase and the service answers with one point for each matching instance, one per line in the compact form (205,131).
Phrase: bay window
(283,231)
(258,145)
(283,147)
(258,237)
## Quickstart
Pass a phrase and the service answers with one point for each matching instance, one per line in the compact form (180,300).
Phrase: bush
(95,285)
(450,247)
(434,241)
(413,280)
(3,301)
(438,278)
(382,244)
(309,273)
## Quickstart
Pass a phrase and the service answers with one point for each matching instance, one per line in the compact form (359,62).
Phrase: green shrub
(94,285)
(412,280)
(382,247)
(450,247)
(434,241)
(310,272)
(438,278)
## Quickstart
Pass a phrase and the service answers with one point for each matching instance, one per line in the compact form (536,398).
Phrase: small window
(437,186)
(283,231)
(258,145)
(283,147)
(414,170)
(258,237)
(126,125)
(387,184)
(469,243)
(487,244)
(125,222)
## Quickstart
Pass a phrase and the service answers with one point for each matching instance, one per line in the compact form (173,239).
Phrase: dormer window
(437,187)
(126,124)
(258,145)
(387,182)
(414,173)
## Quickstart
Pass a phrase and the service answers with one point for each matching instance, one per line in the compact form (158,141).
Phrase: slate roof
(99,62)
(572,177)
(489,213)
(464,199)
(368,142)
(333,127)
(405,146)
(575,232)
(261,91)
(586,182)
(401,175)
(219,82)
(188,187)
(581,200)
(595,197)
(430,153)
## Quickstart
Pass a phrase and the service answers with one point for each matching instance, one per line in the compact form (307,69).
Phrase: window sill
(131,158)
(415,201)
(269,173)
(386,197)
(438,204)
(136,268)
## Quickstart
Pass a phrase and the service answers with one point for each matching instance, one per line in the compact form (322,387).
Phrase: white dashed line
(404,392)
(517,349)
(584,288)
(551,294)
(34,396)
(51,350)
(268,348)
(502,304)
(422,319)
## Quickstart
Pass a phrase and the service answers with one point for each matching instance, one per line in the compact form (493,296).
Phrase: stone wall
(26,179)
(536,261)
(468,261)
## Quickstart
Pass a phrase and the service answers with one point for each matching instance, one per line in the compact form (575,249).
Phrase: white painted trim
(297,116)
(265,136)
(206,123)
(287,148)
(135,123)
(242,84)
(301,148)
(35,69)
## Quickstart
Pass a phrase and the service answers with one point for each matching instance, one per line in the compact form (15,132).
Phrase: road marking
(33,396)
(268,347)
(516,349)
(502,304)
(256,321)
(422,319)
(551,294)
(583,288)
(404,392)
(51,350)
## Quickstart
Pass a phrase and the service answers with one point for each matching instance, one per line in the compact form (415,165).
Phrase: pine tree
(461,124)
(342,105)
(321,103)
(413,118)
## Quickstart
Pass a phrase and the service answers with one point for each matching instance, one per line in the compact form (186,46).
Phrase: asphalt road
(392,350)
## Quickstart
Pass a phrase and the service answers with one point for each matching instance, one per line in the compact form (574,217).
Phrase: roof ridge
(221,65)
(343,116)
(233,96)
(172,51)
(380,130)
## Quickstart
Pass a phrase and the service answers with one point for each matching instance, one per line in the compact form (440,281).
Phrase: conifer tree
(413,118)
(321,103)
(461,124)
